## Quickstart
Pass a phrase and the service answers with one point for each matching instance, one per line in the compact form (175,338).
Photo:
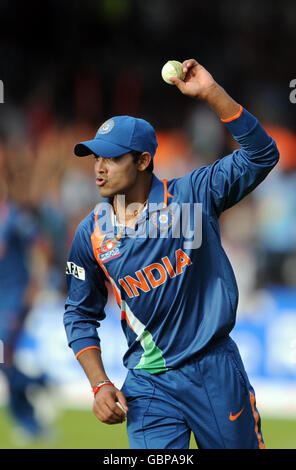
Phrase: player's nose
(100,166)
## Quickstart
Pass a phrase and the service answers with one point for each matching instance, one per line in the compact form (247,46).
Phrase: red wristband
(97,387)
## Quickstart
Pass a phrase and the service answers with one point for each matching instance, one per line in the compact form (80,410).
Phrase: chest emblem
(108,250)
(163,220)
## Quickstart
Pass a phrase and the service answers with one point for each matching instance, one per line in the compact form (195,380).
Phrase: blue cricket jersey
(171,277)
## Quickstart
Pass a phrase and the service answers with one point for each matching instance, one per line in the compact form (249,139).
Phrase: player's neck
(138,193)
(129,206)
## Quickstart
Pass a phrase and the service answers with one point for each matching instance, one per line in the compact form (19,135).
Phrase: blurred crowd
(40,176)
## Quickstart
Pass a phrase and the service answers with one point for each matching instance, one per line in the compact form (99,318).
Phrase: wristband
(99,385)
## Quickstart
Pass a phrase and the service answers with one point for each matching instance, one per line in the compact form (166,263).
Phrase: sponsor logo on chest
(108,250)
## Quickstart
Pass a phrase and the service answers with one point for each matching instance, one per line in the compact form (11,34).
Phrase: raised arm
(199,83)
(228,179)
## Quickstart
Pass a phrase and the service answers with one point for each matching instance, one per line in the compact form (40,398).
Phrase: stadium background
(68,66)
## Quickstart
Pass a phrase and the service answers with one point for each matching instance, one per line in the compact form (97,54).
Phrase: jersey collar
(158,194)
(157,200)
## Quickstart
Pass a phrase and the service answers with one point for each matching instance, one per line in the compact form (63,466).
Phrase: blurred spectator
(174,155)
(207,135)
(286,142)
(18,233)
(275,226)
(275,216)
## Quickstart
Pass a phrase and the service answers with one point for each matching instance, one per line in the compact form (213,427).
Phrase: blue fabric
(166,323)
(120,135)
(20,408)
(18,229)
(199,396)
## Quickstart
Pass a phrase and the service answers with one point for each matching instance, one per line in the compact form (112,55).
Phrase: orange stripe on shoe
(256,417)
(236,116)
(85,349)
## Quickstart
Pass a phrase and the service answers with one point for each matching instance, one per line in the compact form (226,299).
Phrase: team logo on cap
(163,220)
(106,127)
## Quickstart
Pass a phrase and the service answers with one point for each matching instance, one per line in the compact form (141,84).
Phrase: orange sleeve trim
(85,349)
(236,116)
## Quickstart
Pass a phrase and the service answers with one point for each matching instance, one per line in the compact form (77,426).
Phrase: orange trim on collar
(166,193)
(236,116)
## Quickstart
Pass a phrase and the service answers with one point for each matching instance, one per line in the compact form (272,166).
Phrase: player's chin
(107,192)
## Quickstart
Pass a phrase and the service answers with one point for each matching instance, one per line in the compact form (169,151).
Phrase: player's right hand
(105,407)
(197,83)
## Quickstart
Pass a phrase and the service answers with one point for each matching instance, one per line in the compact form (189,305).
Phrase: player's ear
(144,161)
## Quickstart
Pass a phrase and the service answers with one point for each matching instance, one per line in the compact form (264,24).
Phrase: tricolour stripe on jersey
(152,359)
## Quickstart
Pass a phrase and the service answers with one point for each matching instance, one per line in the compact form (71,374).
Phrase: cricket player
(19,231)
(158,244)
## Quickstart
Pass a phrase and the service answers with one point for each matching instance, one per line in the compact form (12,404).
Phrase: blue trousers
(210,395)
(12,317)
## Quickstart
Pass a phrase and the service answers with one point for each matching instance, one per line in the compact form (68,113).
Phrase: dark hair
(136,156)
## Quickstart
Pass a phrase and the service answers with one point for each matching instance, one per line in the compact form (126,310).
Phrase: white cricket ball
(121,407)
(172,68)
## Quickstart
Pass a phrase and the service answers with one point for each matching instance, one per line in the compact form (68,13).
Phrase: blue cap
(120,135)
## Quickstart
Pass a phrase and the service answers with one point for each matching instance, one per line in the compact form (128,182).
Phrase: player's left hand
(105,405)
(198,82)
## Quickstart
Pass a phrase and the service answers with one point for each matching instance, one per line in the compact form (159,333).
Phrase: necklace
(127,218)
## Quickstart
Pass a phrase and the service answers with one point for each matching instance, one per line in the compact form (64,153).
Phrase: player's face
(115,175)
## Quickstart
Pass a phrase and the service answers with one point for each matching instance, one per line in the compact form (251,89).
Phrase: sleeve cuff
(236,116)
(80,345)
(241,125)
